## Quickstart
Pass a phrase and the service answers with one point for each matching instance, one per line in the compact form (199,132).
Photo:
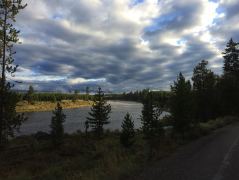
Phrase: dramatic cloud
(121,45)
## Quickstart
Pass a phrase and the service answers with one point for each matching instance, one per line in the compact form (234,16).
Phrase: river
(75,118)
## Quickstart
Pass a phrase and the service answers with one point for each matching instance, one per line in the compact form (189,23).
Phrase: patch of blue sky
(220,10)
(136,2)
(217,21)
(57,17)
(214,1)
(161,22)
(181,42)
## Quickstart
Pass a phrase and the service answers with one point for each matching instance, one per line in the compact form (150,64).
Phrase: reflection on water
(75,118)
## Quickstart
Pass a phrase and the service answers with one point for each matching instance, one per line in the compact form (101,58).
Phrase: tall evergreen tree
(204,83)
(150,120)
(57,129)
(9,119)
(29,95)
(99,115)
(75,96)
(231,58)
(230,79)
(128,133)
(181,105)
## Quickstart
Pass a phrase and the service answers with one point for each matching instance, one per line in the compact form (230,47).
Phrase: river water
(75,118)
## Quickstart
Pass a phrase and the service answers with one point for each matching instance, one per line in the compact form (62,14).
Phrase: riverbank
(39,106)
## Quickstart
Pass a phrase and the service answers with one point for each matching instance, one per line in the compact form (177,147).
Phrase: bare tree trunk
(3,79)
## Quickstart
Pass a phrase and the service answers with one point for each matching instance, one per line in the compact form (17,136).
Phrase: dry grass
(24,106)
(79,158)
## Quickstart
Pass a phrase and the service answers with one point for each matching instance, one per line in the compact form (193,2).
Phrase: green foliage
(75,96)
(128,132)
(99,115)
(181,104)
(230,79)
(12,120)
(9,120)
(231,58)
(53,97)
(78,158)
(151,126)
(29,95)
(203,78)
(159,96)
(57,129)
(204,91)
(207,127)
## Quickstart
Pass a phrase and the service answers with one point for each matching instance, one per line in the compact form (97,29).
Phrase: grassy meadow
(36,106)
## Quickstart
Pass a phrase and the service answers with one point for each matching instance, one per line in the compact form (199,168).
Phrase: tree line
(209,95)
(31,96)
(140,95)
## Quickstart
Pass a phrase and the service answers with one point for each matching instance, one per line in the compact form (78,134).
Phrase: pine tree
(231,58)
(204,83)
(9,119)
(150,119)
(147,117)
(29,95)
(230,78)
(75,96)
(57,129)
(128,133)
(181,105)
(99,115)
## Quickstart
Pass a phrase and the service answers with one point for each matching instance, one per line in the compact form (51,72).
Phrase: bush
(217,123)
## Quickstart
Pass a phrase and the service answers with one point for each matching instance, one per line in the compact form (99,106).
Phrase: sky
(120,45)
